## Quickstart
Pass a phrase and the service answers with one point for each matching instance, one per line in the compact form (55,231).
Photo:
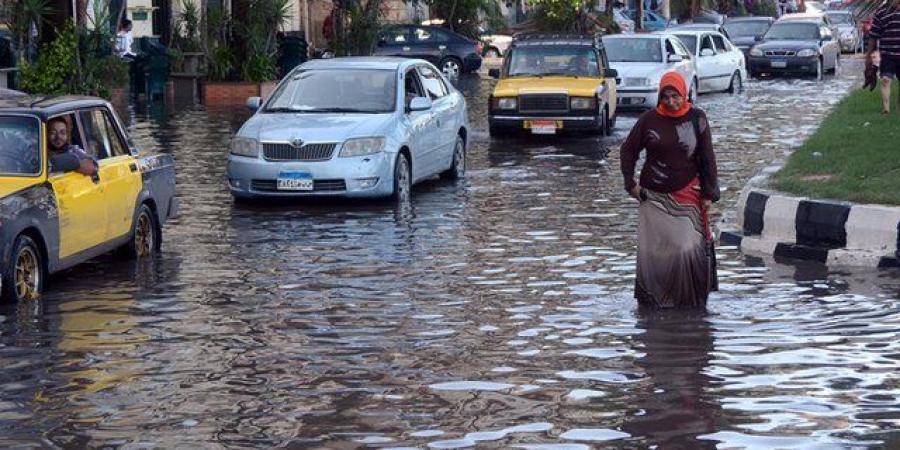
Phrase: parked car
(653,21)
(796,46)
(495,45)
(50,221)
(700,27)
(745,32)
(641,61)
(815,16)
(626,25)
(453,53)
(351,127)
(551,83)
(720,65)
(849,32)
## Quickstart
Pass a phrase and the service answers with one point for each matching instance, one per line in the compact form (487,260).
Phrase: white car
(720,65)
(848,32)
(351,127)
(495,45)
(641,60)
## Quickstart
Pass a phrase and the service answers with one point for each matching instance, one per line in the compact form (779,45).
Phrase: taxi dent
(53,221)
(551,83)
(360,127)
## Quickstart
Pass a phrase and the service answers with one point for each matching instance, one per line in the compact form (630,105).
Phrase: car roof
(750,19)
(47,106)
(697,26)
(693,32)
(547,39)
(657,35)
(802,16)
(811,21)
(360,62)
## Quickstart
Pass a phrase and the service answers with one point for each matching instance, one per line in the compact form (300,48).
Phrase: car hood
(787,45)
(744,41)
(639,70)
(509,87)
(284,127)
(845,28)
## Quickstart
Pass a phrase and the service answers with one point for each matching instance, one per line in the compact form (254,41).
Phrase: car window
(826,32)
(689,41)
(20,153)
(706,43)
(396,36)
(719,42)
(100,136)
(412,88)
(431,81)
(424,35)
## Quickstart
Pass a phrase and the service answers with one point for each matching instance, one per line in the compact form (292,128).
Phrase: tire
(601,129)
(610,123)
(820,70)
(837,64)
(145,235)
(402,180)
(23,277)
(692,94)
(451,67)
(737,84)
(457,168)
(492,52)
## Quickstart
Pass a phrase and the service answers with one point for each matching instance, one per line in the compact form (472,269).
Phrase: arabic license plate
(779,64)
(543,126)
(295,181)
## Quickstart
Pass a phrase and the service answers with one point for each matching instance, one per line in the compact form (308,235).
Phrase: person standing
(885,37)
(679,181)
(124,41)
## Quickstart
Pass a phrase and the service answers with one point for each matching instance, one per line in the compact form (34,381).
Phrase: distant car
(453,53)
(51,221)
(495,45)
(814,16)
(797,47)
(641,61)
(720,65)
(745,32)
(626,25)
(351,127)
(700,27)
(652,21)
(814,7)
(553,83)
(849,32)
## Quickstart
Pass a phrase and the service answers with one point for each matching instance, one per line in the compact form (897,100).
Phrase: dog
(871,75)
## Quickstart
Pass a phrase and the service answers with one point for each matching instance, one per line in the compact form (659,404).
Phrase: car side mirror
(610,73)
(253,103)
(420,104)
(494,73)
(707,52)
(675,58)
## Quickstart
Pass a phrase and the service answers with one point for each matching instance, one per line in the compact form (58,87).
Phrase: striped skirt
(676,262)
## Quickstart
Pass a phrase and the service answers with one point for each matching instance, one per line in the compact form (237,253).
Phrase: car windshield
(20,153)
(633,50)
(690,41)
(553,60)
(344,90)
(793,32)
(840,19)
(749,28)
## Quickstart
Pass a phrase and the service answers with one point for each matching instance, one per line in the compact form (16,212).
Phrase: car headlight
(505,103)
(756,52)
(583,103)
(806,53)
(636,82)
(362,147)
(244,146)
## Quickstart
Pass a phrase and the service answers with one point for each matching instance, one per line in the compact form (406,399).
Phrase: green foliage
(556,15)
(220,56)
(464,16)
(221,64)
(258,34)
(24,15)
(764,8)
(187,28)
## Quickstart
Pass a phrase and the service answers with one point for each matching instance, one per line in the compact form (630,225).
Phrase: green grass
(858,162)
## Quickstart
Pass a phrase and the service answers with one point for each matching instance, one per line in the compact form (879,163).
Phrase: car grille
(318,186)
(544,103)
(286,152)
(780,53)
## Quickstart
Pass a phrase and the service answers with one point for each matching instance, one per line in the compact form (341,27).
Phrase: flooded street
(496,312)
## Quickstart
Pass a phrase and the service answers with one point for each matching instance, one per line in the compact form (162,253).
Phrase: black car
(745,32)
(453,53)
(798,47)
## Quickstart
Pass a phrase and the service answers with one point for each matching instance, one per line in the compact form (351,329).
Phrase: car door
(832,48)
(395,41)
(686,67)
(82,208)
(119,171)
(422,136)
(609,82)
(727,61)
(442,120)
(428,44)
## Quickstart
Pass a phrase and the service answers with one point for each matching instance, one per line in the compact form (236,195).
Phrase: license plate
(295,181)
(779,64)
(543,126)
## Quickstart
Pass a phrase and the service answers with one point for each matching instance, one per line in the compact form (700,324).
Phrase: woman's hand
(706,204)
(635,192)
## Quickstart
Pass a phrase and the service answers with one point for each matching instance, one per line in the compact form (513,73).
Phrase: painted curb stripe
(754,210)
(796,251)
(822,224)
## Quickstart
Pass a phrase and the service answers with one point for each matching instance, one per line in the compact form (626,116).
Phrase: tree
(465,16)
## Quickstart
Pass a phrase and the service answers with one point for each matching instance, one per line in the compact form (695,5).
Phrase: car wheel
(837,64)
(737,84)
(819,70)
(23,279)
(451,67)
(402,180)
(492,53)
(610,123)
(692,94)
(145,235)
(458,166)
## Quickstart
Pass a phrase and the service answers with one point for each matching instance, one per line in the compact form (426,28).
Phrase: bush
(765,8)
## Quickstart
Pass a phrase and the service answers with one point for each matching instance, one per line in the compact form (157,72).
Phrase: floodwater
(495,312)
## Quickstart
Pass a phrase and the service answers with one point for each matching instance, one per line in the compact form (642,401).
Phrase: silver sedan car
(351,127)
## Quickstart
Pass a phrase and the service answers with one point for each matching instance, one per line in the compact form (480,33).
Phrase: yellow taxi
(58,209)
(551,83)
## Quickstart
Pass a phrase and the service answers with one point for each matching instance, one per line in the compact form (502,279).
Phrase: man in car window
(885,34)
(60,148)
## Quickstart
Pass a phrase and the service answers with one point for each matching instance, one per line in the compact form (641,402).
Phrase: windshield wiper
(281,109)
(339,110)
(557,74)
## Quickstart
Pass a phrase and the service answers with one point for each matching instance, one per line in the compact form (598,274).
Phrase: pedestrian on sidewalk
(679,181)
(885,37)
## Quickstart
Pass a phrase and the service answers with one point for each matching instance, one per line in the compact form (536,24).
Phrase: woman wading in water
(676,265)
